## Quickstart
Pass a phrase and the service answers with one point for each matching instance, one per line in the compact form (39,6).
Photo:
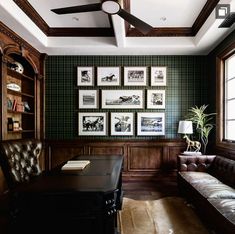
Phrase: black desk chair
(19,160)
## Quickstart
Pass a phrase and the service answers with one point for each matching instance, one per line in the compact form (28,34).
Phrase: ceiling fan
(228,21)
(110,7)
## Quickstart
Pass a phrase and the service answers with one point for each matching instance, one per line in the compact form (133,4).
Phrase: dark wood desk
(86,201)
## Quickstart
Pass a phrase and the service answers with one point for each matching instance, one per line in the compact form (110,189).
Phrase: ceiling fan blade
(229,20)
(139,24)
(78,9)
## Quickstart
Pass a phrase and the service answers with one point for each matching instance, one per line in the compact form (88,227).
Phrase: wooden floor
(150,190)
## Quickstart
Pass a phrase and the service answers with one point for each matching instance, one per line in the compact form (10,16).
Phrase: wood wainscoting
(143,159)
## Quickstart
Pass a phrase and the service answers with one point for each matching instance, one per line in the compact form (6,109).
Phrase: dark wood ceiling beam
(27,8)
(81,32)
(204,14)
(161,32)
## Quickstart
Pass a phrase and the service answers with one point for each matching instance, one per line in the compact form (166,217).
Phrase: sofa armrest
(194,163)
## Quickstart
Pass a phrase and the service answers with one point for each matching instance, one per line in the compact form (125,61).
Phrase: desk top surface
(101,175)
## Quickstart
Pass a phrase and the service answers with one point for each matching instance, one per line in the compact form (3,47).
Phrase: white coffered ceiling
(40,28)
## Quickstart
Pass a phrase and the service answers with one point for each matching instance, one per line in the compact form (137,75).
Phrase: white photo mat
(122,123)
(122,99)
(108,76)
(158,76)
(156,99)
(88,99)
(85,76)
(135,76)
(92,124)
(150,123)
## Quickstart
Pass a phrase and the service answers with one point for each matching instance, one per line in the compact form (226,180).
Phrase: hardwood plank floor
(151,190)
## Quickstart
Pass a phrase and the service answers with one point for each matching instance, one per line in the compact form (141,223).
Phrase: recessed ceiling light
(163,18)
(75,18)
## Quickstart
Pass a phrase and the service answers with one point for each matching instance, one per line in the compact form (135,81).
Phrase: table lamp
(186,127)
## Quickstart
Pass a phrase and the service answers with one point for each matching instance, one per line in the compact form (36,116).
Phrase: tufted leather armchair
(19,160)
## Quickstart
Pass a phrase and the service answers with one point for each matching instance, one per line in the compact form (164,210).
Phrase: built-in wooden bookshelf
(20,89)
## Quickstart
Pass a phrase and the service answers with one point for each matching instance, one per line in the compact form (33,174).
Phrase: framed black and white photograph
(87,99)
(122,99)
(158,76)
(156,99)
(150,124)
(85,76)
(108,76)
(122,123)
(92,124)
(135,76)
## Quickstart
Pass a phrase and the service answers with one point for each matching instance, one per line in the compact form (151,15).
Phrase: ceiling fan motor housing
(111,7)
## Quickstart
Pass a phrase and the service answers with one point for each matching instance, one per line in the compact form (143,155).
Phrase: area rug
(169,215)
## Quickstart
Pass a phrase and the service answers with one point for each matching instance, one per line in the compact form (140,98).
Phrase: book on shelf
(75,165)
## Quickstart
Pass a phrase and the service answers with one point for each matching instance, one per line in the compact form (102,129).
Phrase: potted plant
(203,123)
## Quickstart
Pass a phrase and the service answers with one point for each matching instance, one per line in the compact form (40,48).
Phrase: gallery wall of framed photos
(82,84)
(110,90)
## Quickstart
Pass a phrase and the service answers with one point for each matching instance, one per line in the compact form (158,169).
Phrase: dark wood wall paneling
(145,159)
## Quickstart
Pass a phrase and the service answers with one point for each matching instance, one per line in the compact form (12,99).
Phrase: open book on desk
(75,165)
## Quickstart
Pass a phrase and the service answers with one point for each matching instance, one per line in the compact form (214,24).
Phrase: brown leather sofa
(208,182)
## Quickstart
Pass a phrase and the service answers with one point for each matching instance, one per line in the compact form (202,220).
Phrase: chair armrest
(194,163)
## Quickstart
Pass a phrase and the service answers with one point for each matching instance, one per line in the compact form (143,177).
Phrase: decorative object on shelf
(122,124)
(16,125)
(108,76)
(16,66)
(85,76)
(26,106)
(9,104)
(156,99)
(14,87)
(150,123)
(92,124)
(203,123)
(135,76)
(88,99)
(9,124)
(158,76)
(186,127)
(123,99)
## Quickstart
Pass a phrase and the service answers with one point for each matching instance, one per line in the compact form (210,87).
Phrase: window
(225,98)
(229,98)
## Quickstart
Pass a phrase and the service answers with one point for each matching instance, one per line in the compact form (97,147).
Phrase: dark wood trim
(142,158)
(80,32)
(176,31)
(18,40)
(161,32)
(109,32)
(204,14)
(226,148)
(27,8)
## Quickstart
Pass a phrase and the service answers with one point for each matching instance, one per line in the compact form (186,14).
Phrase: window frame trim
(220,100)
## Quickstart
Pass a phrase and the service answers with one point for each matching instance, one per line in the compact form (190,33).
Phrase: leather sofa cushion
(212,190)
(226,207)
(223,169)
(199,177)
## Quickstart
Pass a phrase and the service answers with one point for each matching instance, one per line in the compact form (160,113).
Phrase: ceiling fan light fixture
(111,7)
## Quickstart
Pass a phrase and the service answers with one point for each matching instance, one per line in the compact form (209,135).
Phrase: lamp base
(193,153)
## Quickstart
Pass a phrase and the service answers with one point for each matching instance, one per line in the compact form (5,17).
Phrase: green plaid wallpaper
(187,85)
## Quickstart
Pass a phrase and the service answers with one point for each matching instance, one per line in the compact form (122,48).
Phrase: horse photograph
(108,76)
